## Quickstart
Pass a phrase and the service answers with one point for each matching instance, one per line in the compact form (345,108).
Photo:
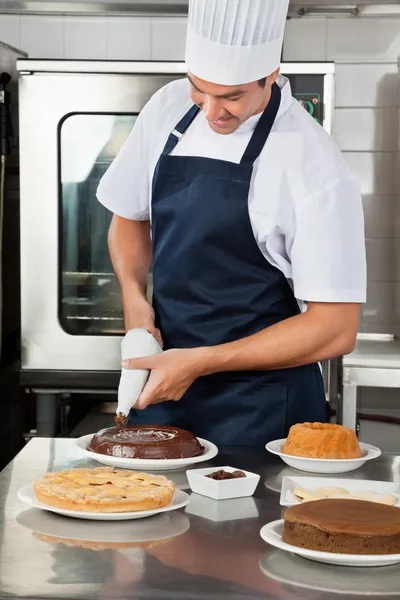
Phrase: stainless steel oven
(74,118)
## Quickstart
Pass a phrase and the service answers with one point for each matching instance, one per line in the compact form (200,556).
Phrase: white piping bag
(136,344)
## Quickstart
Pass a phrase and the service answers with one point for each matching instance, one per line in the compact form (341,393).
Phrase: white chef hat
(232,42)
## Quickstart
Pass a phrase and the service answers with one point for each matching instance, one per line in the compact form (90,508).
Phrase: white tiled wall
(116,38)
(42,36)
(129,38)
(367,122)
(367,129)
(312,33)
(168,39)
(84,37)
(366,39)
(10,30)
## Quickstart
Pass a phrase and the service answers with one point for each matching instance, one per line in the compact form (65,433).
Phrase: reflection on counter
(222,510)
(55,529)
(300,572)
(276,473)
(98,561)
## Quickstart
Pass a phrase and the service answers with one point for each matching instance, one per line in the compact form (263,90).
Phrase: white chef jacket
(305,206)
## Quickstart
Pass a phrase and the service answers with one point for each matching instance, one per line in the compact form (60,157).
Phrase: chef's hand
(172,373)
(141,315)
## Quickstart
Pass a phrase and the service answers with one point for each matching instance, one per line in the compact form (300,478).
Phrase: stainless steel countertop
(212,549)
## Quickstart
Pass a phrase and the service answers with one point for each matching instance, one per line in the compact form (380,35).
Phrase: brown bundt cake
(322,440)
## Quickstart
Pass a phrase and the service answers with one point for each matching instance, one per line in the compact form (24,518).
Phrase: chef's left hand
(172,373)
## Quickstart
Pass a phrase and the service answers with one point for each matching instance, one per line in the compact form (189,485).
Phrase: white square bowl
(224,489)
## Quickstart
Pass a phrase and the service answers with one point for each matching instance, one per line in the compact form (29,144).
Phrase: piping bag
(135,344)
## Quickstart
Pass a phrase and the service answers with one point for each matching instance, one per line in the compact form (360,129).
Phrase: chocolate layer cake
(146,441)
(343,527)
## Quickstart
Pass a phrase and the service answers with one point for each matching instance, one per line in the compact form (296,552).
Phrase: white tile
(367,129)
(382,216)
(305,39)
(168,39)
(382,262)
(376,173)
(363,39)
(42,36)
(366,85)
(129,38)
(380,306)
(85,38)
(10,30)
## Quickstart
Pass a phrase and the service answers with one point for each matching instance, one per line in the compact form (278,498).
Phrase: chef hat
(231,42)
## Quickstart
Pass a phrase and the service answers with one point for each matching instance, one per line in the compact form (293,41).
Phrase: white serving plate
(160,527)
(80,446)
(294,570)
(28,496)
(320,465)
(225,489)
(311,483)
(272,534)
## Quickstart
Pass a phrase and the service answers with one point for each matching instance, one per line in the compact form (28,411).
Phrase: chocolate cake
(147,442)
(343,527)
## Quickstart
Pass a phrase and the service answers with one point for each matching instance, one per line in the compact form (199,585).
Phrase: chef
(253,224)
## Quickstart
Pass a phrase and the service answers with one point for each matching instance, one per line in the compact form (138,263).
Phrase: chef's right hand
(141,315)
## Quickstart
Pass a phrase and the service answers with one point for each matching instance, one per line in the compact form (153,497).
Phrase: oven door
(71,128)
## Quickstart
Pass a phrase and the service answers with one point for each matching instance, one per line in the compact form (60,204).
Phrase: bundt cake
(322,440)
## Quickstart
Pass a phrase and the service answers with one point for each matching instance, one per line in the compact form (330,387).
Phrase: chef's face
(227,107)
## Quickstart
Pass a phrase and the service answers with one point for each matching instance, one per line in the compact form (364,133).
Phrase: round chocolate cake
(147,442)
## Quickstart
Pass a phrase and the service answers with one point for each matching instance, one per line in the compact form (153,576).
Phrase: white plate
(28,496)
(312,483)
(293,570)
(272,534)
(159,527)
(320,465)
(81,446)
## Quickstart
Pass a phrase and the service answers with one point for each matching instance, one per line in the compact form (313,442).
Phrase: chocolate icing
(147,442)
(121,419)
(339,515)
(221,475)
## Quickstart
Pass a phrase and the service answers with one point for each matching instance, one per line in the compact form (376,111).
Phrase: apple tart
(104,490)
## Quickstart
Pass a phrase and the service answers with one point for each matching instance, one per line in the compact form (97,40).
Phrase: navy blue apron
(212,285)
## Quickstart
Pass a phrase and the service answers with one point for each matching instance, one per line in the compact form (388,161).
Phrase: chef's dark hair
(262,82)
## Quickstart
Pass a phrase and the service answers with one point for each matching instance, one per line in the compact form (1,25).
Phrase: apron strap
(180,129)
(263,129)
